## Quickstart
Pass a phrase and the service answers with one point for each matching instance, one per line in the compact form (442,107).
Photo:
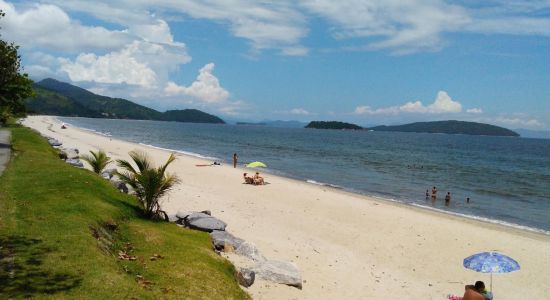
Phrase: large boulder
(54,142)
(249,250)
(108,173)
(75,162)
(282,272)
(119,184)
(246,277)
(225,241)
(183,214)
(69,153)
(204,222)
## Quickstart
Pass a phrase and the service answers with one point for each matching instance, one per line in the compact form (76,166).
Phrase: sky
(361,61)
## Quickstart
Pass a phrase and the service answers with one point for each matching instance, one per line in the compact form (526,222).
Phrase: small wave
(323,184)
(107,134)
(484,219)
(182,152)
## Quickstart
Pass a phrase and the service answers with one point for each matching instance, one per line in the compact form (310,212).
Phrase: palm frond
(97,160)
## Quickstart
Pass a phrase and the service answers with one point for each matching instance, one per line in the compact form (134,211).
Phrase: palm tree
(98,160)
(148,182)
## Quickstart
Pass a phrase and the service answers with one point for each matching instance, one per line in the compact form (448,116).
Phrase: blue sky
(368,62)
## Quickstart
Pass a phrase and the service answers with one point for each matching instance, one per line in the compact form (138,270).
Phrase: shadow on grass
(22,273)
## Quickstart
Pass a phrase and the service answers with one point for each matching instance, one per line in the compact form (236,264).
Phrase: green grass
(55,241)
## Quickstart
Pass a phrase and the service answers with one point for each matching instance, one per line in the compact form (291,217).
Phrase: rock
(225,241)
(183,214)
(108,173)
(207,212)
(70,153)
(75,162)
(249,249)
(172,218)
(54,142)
(246,277)
(119,184)
(204,222)
(279,272)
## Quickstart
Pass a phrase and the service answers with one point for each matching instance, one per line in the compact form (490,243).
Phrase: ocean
(507,179)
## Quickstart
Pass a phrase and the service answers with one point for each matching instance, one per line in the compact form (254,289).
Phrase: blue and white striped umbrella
(491,262)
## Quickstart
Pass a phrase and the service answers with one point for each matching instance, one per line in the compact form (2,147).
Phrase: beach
(347,246)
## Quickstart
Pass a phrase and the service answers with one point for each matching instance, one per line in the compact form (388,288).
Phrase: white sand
(347,246)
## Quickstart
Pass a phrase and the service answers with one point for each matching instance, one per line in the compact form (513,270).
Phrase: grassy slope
(47,210)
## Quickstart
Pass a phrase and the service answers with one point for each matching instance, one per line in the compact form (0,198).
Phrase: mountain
(450,127)
(332,125)
(63,99)
(190,115)
(535,134)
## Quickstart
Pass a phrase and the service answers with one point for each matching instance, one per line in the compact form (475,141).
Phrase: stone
(207,224)
(119,184)
(183,214)
(54,142)
(70,153)
(172,218)
(225,241)
(207,212)
(249,250)
(246,277)
(282,272)
(108,173)
(75,162)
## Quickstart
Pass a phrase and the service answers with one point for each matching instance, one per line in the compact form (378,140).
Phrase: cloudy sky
(363,61)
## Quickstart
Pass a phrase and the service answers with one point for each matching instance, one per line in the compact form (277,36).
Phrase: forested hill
(332,125)
(450,127)
(63,99)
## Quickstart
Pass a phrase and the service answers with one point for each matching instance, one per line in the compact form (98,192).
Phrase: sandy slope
(347,246)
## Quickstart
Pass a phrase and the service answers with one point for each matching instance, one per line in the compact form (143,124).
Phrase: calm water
(507,179)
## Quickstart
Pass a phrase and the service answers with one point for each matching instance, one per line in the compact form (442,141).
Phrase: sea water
(507,179)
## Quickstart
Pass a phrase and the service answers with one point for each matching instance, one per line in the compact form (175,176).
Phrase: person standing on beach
(434,193)
(448,198)
(235,159)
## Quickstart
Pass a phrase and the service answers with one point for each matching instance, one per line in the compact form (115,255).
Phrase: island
(59,98)
(332,125)
(450,127)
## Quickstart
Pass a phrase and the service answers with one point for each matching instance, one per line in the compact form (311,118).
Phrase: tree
(14,86)
(148,182)
(97,160)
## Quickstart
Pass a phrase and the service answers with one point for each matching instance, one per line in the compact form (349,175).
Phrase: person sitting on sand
(247,179)
(475,292)
(258,179)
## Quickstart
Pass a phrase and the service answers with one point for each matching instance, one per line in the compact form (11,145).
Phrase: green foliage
(332,125)
(97,160)
(450,127)
(55,243)
(148,182)
(14,87)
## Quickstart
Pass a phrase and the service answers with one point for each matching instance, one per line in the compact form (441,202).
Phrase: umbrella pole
(491,282)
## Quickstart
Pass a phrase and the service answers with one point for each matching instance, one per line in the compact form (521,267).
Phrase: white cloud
(139,63)
(516,121)
(299,111)
(48,26)
(267,25)
(443,104)
(474,111)
(206,87)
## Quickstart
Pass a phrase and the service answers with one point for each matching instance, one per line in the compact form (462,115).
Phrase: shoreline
(391,248)
(373,195)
